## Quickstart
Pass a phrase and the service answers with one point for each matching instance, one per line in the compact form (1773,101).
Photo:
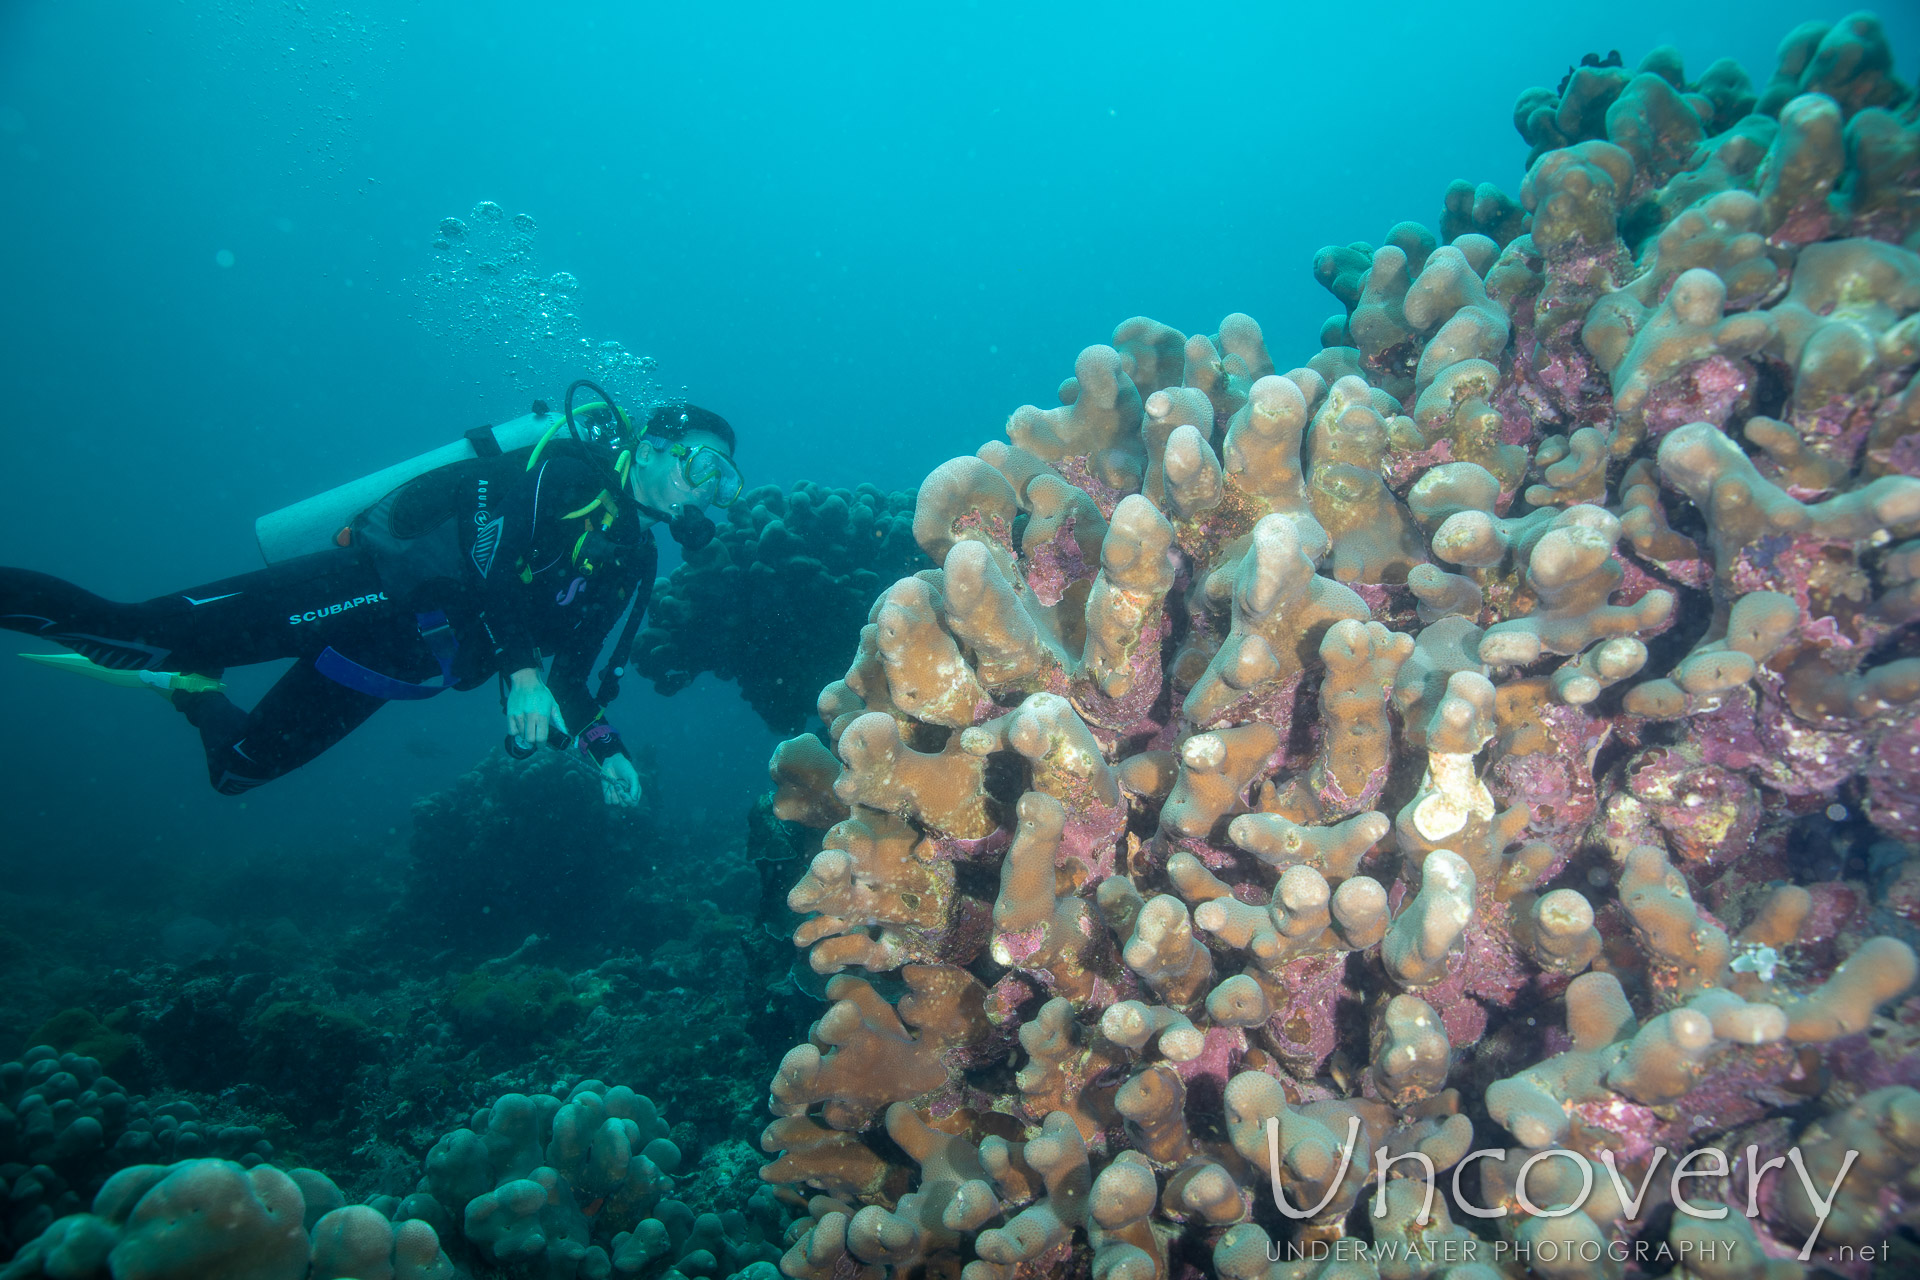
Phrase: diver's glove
(693,530)
(532,710)
(619,781)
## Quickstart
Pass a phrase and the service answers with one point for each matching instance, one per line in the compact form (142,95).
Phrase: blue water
(863,233)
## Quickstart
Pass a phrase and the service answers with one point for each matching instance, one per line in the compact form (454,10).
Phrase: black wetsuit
(468,573)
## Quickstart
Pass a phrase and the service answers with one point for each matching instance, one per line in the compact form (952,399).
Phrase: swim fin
(164,683)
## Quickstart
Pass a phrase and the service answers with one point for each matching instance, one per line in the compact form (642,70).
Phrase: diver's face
(664,480)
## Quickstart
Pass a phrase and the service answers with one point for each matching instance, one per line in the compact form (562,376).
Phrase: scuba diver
(461,567)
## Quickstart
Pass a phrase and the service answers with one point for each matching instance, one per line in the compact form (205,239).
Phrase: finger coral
(1297,776)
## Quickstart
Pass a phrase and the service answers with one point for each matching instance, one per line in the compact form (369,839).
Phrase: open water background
(864,233)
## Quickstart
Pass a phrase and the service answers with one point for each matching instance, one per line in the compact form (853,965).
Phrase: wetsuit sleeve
(573,666)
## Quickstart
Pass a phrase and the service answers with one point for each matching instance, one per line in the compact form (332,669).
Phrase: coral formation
(775,599)
(355,1039)
(1393,800)
(514,848)
(65,1125)
(1291,778)
(560,1187)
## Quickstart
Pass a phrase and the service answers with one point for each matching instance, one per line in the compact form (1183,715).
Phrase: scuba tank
(328,520)
(316,523)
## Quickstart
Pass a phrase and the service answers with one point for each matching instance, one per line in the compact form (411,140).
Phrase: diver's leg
(302,715)
(306,711)
(275,612)
(115,635)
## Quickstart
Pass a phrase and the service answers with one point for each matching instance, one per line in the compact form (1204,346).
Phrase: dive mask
(701,466)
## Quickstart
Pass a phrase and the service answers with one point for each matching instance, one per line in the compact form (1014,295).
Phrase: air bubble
(223,258)
(488,299)
(1836,813)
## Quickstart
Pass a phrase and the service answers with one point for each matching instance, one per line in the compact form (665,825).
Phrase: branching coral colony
(1474,737)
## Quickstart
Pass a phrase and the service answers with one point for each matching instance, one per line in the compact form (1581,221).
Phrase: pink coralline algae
(1497,730)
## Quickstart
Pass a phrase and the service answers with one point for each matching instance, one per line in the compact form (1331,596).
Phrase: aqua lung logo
(486,534)
(314,615)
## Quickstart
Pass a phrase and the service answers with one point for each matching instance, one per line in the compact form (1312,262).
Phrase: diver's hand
(532,710)
(619,781)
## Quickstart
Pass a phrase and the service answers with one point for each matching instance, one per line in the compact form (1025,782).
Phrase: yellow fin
(161,682)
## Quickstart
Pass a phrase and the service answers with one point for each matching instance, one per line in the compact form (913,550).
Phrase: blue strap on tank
(434,629)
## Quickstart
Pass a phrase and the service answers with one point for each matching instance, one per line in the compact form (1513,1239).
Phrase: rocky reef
(169,1120)
(773,601)
(519,848)
(1483,754)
